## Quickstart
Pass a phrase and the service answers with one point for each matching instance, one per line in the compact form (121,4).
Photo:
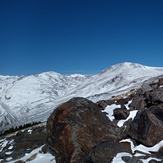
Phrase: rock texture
(75,127)
(121,113)
(17,145)
(105,151)
(79,131)
(147,126)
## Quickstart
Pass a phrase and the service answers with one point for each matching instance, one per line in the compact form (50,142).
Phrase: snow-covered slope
(24,99)
(116,79)
(31,98)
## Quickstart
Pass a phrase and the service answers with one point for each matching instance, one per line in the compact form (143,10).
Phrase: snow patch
(4,142)
(127,105)
(131,143)
(132,116)
(118,157)
(40,157)
(109,109)
(150,158)
(148,150)
(30,131)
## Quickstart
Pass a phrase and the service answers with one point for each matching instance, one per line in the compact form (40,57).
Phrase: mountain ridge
(25,99)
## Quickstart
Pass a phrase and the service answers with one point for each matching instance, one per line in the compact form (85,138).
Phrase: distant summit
(124,66)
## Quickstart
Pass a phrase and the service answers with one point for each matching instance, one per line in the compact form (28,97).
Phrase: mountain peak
(25,96)
(124,66)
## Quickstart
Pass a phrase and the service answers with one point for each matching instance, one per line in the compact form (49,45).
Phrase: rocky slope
(79,131)
(26,99)
(29,98)
(124,128)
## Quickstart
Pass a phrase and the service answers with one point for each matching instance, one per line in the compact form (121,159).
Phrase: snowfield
(25,99)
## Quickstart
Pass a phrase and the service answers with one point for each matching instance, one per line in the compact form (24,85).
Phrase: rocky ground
(125,128)
(122,129)
(24,145)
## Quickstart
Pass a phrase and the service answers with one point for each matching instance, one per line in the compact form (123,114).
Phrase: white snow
(3,142)
(141,148)
(40,157)
(127,105)
(118,157)
(139,154)
(21,97)
(150,158)
(9,159)
(109,109)
(148,150)
(11,147)
(132,115)
(8,153)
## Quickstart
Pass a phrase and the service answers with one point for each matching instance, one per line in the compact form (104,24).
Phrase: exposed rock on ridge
(147,126)
(75,127)
(78,131)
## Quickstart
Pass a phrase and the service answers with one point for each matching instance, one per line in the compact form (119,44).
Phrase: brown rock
(138,102)
(123,101)
(147,126)
(75,127)
(105,151)
(121,113)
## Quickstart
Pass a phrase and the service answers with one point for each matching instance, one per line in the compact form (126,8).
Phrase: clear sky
(78,36)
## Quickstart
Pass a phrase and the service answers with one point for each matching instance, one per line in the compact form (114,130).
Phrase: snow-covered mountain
(25,99)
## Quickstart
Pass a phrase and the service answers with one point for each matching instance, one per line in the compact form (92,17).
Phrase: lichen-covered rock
(147,126)
(75,127)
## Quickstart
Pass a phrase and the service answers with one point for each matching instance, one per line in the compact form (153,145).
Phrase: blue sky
(73,36)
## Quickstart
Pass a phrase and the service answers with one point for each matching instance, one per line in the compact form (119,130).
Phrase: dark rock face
(160,153)
(23,142)
(79,132)
(123,101)
(105,151)
(121,113)
(75,127)
(147,126)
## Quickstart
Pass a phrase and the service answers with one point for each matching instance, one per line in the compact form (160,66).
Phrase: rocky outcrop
(75,127)
(79,131)
(147,126)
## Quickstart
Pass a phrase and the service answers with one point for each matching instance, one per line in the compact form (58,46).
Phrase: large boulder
(75,127)
(147,126)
